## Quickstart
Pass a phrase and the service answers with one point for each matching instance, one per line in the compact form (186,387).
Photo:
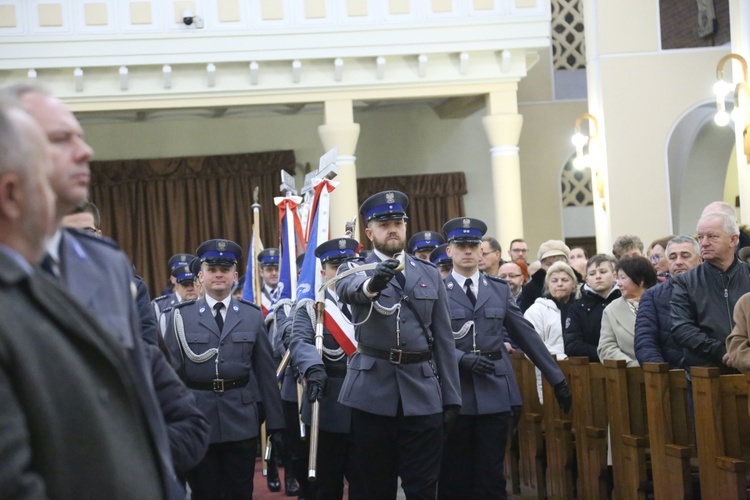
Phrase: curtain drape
(433,199)
(156,208)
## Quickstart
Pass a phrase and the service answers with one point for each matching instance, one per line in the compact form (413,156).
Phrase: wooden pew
(588,386)
(530,432)
(670,431)
(626,399)
(722,427)
(561,454)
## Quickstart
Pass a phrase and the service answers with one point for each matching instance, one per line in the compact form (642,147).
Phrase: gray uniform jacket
(376,385)
(100,277)
(73,422)
(244,351)
(334,417)
(496,308)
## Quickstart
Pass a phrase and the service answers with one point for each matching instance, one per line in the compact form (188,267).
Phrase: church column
(340,131)
(503,128)
(739,11)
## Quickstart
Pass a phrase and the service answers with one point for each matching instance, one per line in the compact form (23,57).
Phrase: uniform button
(403,344)
(221,343)
(222,360)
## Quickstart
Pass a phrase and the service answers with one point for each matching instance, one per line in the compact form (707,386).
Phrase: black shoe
(291,488)
(272,480)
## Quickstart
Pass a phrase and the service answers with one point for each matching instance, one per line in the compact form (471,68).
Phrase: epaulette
(495,278)
(162,297)
(90,237)
(423,261)
(180,304)
(245,301)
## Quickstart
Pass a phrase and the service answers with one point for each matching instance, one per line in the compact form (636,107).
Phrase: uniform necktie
(49,266)
(469,293)
(218,317)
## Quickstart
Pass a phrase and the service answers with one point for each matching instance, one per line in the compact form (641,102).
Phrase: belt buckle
(478,352)
(395,361)
(218,385)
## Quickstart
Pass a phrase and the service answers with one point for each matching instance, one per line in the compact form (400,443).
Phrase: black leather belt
(395,356)
(218,384)
(491,355)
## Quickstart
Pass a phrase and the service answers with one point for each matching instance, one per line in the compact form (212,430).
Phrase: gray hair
(729,222)
(13,93)
(563,267)
(684,239)
(718,206)
(16,149)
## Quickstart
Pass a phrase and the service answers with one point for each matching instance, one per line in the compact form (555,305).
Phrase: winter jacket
(653,328)
(545,316)
(702,303)
(618,326)
(581,335)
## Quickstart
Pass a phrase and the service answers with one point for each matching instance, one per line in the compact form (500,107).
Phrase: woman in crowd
(657,254)
(577,260)
(549,311)
(635,275)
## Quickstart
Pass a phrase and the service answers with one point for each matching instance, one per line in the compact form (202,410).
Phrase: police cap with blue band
(220,252)
(384,206)
(183,274)
(425,241)
(439,256)
(336,250)
(179,259)
(195,266)
(269,257)
(464,230)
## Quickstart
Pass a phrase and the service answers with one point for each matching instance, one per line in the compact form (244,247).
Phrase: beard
(389,246)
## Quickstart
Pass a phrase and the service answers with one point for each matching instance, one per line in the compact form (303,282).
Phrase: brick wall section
(679,24)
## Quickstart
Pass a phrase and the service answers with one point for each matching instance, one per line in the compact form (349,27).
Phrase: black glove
(316,381)
(564,397)
(385,271)
(450,413)
(476,364)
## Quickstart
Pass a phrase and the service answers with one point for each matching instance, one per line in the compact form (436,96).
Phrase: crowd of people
(403,372)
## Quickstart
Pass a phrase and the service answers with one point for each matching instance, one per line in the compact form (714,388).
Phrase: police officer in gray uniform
(422,243)
(168,300)
(221,351)
(324,378)
(402,382)
(480,306)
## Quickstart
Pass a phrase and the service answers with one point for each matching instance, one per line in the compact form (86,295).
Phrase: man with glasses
(519,250)
(490,259)
(511,272)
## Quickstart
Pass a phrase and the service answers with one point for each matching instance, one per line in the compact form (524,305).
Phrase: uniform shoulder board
(245,301)
(424,262)
(92,238)
(494,278)
(180,304)
(162,297)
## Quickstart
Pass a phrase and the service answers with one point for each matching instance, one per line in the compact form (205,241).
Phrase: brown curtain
(433,199)
(156,208)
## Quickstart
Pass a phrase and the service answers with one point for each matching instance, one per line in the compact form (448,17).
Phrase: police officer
(402,382)
(480,306)
(220,349)
(168,300)
(184,290)
(424,242)
(324,378)
(440,258)
(268,261)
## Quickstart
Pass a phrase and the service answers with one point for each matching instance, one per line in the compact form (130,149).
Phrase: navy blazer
(376,385)
(495,308)
(244,351)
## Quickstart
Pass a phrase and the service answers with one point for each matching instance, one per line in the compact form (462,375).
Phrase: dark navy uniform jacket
(334,417)
(376,385)
(244,351)
(495,308)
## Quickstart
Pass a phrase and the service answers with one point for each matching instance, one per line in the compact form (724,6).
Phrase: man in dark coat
(73,422)
(653,341)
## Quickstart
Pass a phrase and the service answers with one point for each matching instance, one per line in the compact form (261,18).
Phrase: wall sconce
(722,88)
(586,145)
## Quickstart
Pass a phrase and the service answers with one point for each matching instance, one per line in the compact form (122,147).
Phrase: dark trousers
(296,447)
(335,455)
(473,457)
(388,447)
(226,471)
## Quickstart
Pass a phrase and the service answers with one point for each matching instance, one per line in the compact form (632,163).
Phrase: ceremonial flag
(337,322)
(309,279)
(290,229)
(252,267)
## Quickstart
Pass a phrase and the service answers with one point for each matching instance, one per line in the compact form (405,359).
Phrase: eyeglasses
(512,276)
(519,250)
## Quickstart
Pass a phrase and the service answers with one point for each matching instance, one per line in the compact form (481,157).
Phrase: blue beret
(336,250)
(464,230)
(385,205)
(220,252)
